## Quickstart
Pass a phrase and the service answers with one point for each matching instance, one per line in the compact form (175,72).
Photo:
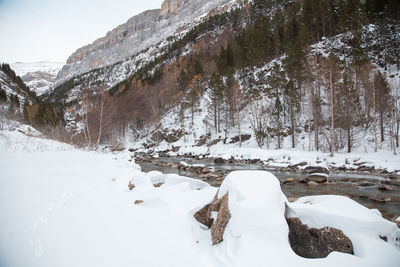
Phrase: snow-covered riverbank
(66,207)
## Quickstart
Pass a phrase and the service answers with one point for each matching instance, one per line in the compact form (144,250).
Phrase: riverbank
(374,190)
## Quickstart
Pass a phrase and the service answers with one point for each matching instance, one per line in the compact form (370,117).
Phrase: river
(360,187)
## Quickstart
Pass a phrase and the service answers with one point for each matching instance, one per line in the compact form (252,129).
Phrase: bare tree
(333,72)
(258,121)
(374,104)
(86,110)
(238,102)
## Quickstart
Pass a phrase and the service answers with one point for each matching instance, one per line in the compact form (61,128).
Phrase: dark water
(358,186)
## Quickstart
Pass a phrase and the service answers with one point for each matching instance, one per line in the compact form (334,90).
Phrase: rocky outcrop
(316,243)
(205,216)
(170,7)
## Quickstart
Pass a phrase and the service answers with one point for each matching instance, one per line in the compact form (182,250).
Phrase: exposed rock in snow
(316,169)
(218,224)
(316,243)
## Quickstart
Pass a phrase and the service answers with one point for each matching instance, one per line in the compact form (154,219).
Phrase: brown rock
(214,142)
(138,202)
(210,175)
(289,181)
(131,185)
(380,198)
(385,187)
(365,184)
(316,243)
(204,215)
(316,169)
(394,176)
(236,139)
(202,140)
(158,185)
(219,160)
(312,183)
(317,178)
(293,199)
(218,227)
(393,182)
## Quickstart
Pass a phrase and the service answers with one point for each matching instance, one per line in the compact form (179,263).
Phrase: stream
(359,187)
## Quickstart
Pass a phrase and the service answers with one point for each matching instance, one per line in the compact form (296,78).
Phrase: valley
(207,133)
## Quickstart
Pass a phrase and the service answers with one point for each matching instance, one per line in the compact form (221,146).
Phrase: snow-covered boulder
(258,232)
(317,243)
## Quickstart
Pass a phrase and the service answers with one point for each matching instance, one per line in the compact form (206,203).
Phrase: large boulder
(316,243)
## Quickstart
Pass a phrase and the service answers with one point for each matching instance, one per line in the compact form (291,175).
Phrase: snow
(22,68)
(62,206)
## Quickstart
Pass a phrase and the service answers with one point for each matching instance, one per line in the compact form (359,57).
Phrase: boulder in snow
(316,243)
(318,177)
(316,169)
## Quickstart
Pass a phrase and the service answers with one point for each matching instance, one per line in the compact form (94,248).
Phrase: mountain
(310,74)
(139,33)
(39,76)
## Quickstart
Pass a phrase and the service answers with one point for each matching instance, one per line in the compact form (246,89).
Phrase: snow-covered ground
(62,206)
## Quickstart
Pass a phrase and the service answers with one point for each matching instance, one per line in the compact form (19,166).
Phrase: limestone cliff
(137,34)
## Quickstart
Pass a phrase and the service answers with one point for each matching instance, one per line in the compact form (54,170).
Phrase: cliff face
(138,33)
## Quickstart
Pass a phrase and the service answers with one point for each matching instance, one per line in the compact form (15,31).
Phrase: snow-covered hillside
(39,76)
(16,94)
(66,207)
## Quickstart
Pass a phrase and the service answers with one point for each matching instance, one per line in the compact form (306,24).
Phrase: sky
(51,30)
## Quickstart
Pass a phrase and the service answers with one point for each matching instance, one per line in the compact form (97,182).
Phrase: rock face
(316,243)
(204,216)
(137,34)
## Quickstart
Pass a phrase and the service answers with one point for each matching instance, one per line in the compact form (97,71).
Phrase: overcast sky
(51,30)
